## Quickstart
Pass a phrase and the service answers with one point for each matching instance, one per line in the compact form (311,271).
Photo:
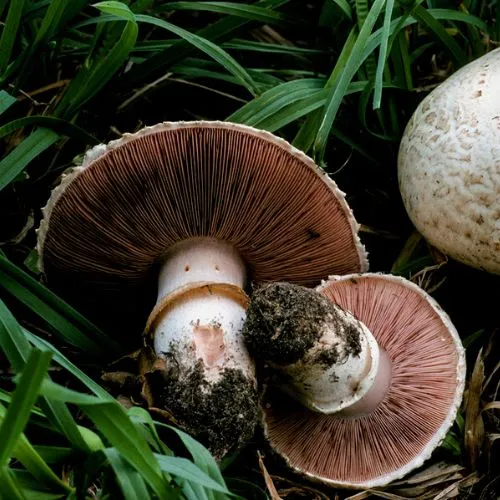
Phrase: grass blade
(60,416)
(274,99)
(70,324)
(23,399)
(6,101)
(402,62)
(53,454)
(32,490)
(298,107)
(15,346)
(131,483)
(270,48)
(209,48)
(65,363)
(221,30)
(379,75)
(12,341)
(302,107)
(36,143)
(51,21)
(57,12)
(60,126)
(141,416)
(440,34)
(196,68)
(455,15)
(34,463)
(10,487)
(113,422)
(397,25)
(96,73)
(201,456)
(362,11)
(117,9)
(9,32)
(343,6)
(183,468)
(250,12)
(111,419)
(355,60)
(305,137)
(192,491)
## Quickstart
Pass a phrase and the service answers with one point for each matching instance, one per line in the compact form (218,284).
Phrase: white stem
(200,260)
(353,384)
(376,393)
(201,308)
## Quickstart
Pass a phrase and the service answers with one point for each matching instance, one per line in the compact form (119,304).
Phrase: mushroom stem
(323,356)
(200,260)
(201,307)
(375,393)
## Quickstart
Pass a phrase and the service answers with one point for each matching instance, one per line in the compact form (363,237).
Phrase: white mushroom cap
(449,165)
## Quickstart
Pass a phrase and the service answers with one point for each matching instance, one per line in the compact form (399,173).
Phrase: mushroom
(370,380)
(201,207)
(449,165)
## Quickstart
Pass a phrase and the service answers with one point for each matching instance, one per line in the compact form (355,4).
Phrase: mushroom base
(285,321)
(321,355)
(221,415)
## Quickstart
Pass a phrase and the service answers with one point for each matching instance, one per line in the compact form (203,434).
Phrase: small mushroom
(375,370)
(449,165)
(200,207)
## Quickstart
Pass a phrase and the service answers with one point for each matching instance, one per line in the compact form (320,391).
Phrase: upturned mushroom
(449,165)
(364,376)
(200,207)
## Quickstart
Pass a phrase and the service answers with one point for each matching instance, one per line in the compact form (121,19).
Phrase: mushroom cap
(428,374)
(111,221)
(449,165)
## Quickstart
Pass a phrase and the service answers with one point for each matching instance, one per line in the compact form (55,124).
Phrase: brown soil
(221,415)
(284,321)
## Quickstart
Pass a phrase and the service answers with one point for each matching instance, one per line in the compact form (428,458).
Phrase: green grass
(338,78)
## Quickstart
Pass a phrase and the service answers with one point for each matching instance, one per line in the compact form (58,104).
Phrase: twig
(268,480)
(42,90)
